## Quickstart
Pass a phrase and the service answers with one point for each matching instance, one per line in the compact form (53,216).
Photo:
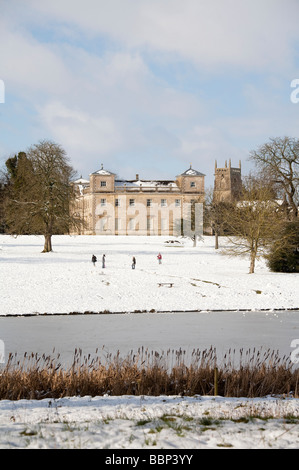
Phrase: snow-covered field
(202,279)
(66,281)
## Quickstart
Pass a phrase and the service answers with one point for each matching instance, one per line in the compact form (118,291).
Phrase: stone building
(227,183)
(111,206)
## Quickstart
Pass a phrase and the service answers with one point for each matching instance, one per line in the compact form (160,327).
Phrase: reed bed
(250,373)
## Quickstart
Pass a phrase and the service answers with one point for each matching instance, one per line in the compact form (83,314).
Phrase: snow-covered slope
(66,281)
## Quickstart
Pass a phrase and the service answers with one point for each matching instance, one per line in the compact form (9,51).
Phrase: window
(117,202)
(149,223)
(163,203)
(149,202)
(192,184)
(132,202)
(103,184)
(164,224)
(177,203)
(103,202)
(102,224)
(117,224)
(131,224)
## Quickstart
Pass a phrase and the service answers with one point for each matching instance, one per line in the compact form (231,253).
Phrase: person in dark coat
(133,262)
(94,259)
(103,261)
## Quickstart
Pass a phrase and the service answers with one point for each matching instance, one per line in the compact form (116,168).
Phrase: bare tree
(3,185)
(279,158)
(252,222)
(41,192)
(215,215)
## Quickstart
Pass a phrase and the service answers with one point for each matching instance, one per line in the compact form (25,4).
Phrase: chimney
(137,177)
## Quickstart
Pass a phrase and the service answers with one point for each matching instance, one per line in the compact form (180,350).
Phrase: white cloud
(83,135)
(92,105)
(203,144)
(29,66)
(251,34)
(100,97)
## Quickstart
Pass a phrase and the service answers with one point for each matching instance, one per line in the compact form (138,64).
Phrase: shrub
(284,253)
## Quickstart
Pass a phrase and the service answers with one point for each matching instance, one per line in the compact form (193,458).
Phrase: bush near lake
(284,253)
(251,373)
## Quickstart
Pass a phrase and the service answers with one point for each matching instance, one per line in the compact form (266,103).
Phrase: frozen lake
(155,331)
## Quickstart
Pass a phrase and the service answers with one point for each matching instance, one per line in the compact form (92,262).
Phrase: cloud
(202,144)
(29,66)
(150,83)
(92,105)
(83,135)
(253,34)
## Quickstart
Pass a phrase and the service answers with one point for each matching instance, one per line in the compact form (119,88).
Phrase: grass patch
(225,444)
(142,422)
(28,433)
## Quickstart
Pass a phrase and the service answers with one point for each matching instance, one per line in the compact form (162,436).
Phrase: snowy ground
(66,281)
(150,423)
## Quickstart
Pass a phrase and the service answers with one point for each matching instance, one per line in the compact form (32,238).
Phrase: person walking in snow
(94,259)
(133,262)
(159,258)
(103,261)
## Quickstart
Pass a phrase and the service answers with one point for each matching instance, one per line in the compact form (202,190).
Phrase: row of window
(104,184)
(149,202)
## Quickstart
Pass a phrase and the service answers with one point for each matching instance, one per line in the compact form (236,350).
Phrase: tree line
(36,195)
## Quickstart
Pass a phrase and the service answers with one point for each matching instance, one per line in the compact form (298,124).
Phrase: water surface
(155,331)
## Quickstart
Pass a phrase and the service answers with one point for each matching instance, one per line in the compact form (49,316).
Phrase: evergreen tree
(284,252)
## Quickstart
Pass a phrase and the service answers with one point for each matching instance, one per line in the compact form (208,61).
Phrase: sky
(148,86)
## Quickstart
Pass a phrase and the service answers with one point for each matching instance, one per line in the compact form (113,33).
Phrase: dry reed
(251,373)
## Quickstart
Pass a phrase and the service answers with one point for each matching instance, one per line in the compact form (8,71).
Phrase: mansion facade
(111,206)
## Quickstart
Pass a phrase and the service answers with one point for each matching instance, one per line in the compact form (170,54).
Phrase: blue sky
(148,86)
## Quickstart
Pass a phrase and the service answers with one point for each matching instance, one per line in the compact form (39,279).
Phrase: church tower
(228,183)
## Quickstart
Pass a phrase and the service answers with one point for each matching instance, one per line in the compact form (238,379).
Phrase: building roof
(191,172)
(138,182)
(103,172)
(81,181)
(145,183)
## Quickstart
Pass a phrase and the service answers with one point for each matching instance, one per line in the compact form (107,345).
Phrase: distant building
(227,183)
(111,206)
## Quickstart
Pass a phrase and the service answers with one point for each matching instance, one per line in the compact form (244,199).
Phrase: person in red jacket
(159,258)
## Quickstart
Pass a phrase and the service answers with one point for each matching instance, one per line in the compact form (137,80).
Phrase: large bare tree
(253,221)
(279,160)
(40,192)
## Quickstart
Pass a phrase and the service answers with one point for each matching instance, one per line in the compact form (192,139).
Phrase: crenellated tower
(227,183)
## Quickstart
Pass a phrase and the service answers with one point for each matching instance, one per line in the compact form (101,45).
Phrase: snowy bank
(163,422)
